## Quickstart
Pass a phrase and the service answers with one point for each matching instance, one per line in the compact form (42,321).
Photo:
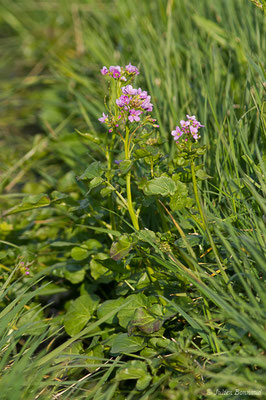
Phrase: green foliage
(29,203)
(123,343)
(176,309)
(79,313)
(164,186)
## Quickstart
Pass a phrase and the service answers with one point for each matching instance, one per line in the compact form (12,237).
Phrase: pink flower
(184,123)
(189,128)
(104,71)
(193,129)
(134,115)
(177,133)
(146,105)
(129,90)
(103,119)
(115,71)
(131,69)
(142,94)
(123,101)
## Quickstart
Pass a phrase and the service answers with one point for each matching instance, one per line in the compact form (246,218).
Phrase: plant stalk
(131,211)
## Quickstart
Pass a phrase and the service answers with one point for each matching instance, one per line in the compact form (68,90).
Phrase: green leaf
(93,355)
(202,175)
(127,344)
(60,243)
(106,191)
(108,306)
(132,370)
(120,248)
(94,170)
(143,382)
(163,185)
(29,203)
(93,244)
(79,313)
(135,370)
(180,161)
(148,151)
(112,265)
(58,197)
(78,253)
(98,271)
(147,235)
(89,136)
(125,166)
(263,111)
(97,181)
(75,348)
(179,199)
(127,314)
(144,321)
(74,273)
(141,153)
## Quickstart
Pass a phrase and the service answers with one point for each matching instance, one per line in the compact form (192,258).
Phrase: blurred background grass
(197,57)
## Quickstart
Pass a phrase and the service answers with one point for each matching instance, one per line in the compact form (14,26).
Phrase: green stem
(131,211)
(110,202)
(206,228)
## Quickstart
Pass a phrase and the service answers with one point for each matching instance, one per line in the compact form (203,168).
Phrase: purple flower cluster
(135,102)
(132,102)
(189,128)
(121,73)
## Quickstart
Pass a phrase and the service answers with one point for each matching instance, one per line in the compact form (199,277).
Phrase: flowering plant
(128,113)
(189,130)
(137,171)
